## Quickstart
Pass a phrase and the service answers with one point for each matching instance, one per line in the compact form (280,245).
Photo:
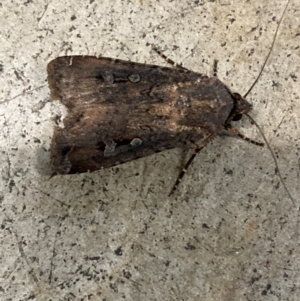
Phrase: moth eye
(134,78)
(237,96)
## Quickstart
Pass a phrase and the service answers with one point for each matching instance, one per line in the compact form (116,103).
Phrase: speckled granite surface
(230,232)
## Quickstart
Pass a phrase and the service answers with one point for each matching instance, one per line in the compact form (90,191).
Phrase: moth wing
(120,111)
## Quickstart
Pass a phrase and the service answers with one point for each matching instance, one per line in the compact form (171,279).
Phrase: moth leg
(236,132)
(215,68)
(169,61)
(185,168)
(188,163)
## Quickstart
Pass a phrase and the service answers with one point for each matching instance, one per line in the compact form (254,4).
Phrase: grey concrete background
(230,232)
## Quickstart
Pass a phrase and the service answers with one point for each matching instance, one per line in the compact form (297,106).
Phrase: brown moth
(120,111)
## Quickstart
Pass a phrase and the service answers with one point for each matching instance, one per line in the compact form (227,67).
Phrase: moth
(120,111)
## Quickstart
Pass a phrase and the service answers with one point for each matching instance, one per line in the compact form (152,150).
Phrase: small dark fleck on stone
(167,263)
(254,279)
(73,18)
(275,84)
(114,287)
(293,77)
(119,252)
(251,52)
(189,246)
(228,172)
(127,274)
(11,185)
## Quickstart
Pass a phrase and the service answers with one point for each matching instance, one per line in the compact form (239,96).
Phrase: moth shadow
(42,163)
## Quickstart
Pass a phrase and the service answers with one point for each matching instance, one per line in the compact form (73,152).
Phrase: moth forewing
(113,103)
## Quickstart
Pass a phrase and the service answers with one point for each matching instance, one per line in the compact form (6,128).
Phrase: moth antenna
(236,132)
(215,68)
(271,48)
(254,122)
(274,158)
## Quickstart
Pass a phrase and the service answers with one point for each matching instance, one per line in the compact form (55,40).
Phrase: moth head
(241,106)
